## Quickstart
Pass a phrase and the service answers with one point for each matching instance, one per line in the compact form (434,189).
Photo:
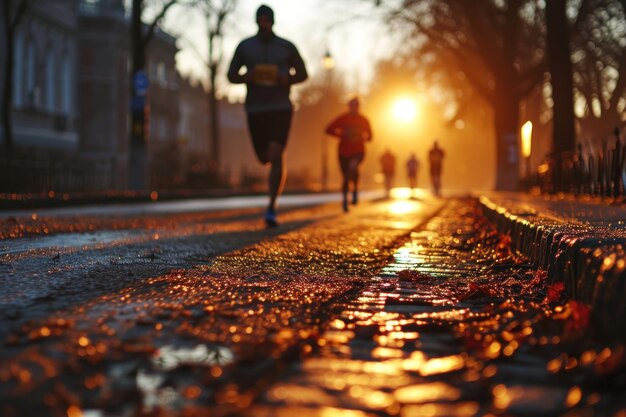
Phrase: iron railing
(61,175)
(596,173)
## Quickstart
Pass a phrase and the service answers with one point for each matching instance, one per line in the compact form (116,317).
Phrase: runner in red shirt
(353,130)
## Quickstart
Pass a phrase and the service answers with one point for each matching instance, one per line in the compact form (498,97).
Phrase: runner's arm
(235,65)
(297,64)
(335,128)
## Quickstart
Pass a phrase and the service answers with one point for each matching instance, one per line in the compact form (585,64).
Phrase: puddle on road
(171,357)
(152,382)
(64,241)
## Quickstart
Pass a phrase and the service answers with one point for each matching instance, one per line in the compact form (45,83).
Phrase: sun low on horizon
(404,109)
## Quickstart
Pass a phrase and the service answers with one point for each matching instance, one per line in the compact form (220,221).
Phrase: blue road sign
(140,83)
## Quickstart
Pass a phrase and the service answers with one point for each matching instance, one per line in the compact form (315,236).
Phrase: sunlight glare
(404,109)
(402,207)
(402,193)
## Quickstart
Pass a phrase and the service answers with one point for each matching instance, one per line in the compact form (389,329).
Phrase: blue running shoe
(270,218)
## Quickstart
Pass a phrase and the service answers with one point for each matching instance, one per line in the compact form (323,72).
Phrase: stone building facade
(103,85)
(45,67)
(71,99)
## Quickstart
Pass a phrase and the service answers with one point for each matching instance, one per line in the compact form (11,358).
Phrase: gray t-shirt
(270,58)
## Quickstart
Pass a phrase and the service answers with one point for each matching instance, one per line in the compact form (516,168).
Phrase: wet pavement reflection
(457,325)
(407,307)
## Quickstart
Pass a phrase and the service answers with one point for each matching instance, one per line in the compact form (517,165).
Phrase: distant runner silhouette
(388,164)
(435,158)
(412,166)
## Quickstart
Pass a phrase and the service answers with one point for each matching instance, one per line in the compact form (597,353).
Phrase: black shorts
(266,127)
(346,161)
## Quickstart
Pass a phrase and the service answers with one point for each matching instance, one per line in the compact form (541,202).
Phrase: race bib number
(265,74)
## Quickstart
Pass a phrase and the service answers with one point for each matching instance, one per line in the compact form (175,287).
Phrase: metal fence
(43,175)
(597,173)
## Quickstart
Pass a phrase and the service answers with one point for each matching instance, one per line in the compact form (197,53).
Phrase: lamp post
(328,63)
(527,132)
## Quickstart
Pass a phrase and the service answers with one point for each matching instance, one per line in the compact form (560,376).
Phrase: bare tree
(561,78)
(140,36)
(497,45)
(599,60)
(13,12)
(216,13)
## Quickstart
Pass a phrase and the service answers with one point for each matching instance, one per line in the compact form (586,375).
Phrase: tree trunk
(560,64)
(214,119)
(7,91)
(506,118)
(137,161)
(213,102)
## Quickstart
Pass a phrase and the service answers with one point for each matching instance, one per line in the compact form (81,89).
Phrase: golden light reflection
(387,353)
(501,397)
(371,398)
(402,207)
(74,411)
(298,394)
(420,393)
(403,193)
(403,335)
(418,362)
(467,409)
(338,336)
(573,397)
(391,367)
(338,381)
(336,412)
(442,365)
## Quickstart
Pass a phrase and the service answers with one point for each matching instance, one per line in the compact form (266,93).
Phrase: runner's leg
(354,172)
(277,173)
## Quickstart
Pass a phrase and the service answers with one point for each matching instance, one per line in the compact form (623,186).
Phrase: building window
(66,86)
(161,72)
(152,70)
(50,82)
(18,71)
(31,89)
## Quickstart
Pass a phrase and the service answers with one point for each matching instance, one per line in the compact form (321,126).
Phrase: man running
(353,130)
(272,65)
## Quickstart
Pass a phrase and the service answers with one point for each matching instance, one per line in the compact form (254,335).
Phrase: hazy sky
(352,30)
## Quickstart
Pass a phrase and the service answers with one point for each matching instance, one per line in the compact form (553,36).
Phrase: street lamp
(527,132)
(328,63)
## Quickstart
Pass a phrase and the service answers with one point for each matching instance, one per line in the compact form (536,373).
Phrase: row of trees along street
(570,52)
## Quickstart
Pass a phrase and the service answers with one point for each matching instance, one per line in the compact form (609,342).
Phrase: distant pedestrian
(272,65)
(353,130)
(435,158)
(388,164)
(412,166)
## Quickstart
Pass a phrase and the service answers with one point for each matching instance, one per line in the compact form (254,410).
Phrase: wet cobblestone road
(400,308)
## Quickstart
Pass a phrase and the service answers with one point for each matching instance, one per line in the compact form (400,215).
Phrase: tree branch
(152,26)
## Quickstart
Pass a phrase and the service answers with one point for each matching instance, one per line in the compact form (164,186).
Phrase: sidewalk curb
(589,260)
